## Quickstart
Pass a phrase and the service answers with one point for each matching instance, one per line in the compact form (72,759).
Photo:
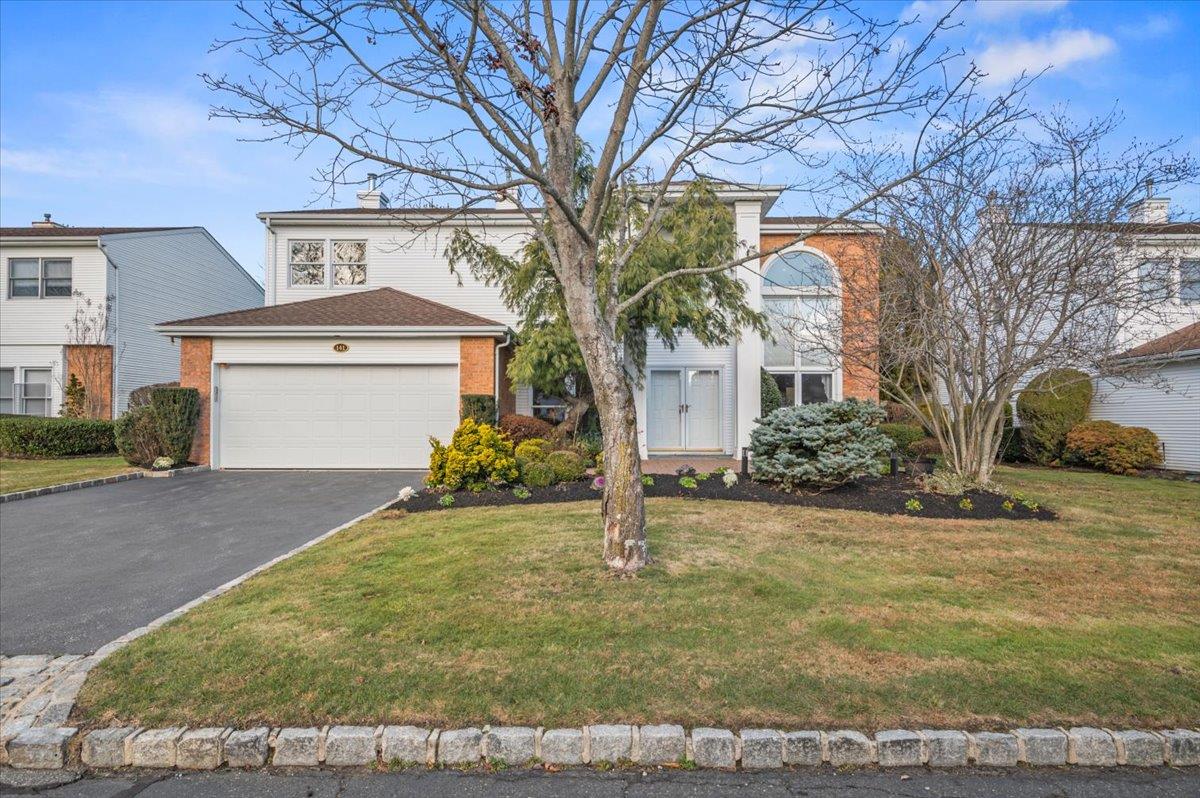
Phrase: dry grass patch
(755,615)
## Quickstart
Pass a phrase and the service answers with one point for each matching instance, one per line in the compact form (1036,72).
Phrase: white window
(325,263)
(548,408)
(25,391)
(8,380)
(39,277)
(1189,281)
(801,302)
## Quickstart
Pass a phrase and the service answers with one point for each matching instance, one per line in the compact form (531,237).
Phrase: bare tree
(462,100)
(1011,257)
(92,360)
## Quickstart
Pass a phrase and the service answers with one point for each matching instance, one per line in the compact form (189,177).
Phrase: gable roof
(1183,342)
(65,231)
(380,307)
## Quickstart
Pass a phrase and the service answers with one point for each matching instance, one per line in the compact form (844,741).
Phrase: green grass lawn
(752,615)
(18,475)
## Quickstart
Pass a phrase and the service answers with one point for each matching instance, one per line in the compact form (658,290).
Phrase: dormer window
(324,263)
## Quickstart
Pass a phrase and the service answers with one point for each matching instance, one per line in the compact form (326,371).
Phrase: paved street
(1045,783)
(79,569)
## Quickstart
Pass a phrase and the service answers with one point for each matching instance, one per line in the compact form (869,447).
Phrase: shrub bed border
(51,748)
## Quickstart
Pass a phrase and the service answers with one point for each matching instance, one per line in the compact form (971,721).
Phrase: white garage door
(334,416)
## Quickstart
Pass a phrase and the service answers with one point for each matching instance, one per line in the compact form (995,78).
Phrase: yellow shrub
(478,456)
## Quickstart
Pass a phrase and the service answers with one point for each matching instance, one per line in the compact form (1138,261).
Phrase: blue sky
(103,120)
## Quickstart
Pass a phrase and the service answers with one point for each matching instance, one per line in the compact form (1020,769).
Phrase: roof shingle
(1185,339)
(63,231)
(380,307)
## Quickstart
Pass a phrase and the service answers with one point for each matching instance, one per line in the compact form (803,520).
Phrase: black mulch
(885,495)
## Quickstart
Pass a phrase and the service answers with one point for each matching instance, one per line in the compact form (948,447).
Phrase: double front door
(684,409)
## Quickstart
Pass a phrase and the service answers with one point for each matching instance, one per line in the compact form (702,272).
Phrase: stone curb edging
(50,705)
(48,748)
(65,487)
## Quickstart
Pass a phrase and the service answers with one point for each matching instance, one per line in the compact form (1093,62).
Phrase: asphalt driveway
(79,569)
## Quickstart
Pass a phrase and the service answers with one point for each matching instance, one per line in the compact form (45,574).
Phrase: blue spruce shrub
(819,445)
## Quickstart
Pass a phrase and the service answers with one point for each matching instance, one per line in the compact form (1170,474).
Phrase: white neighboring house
(1166,400)
(368,341)
(142,275)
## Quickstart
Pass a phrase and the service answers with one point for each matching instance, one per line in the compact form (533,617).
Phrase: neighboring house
(1165,398)
(368,340)
(84,300)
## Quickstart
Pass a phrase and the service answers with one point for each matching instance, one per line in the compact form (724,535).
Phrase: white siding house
(141,275)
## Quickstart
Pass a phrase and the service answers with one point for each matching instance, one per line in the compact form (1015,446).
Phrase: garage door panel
(334,416)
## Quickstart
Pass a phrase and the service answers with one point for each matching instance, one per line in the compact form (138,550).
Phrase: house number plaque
(341,347)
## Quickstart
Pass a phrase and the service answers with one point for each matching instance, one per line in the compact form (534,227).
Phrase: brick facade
(93,365)
(195,371)
(857,260)
(476,366)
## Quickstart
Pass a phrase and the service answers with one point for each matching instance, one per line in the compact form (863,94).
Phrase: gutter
(496,380)
(497,331)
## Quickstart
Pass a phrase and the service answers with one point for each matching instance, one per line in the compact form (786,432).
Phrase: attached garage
(360,380)
(327,416)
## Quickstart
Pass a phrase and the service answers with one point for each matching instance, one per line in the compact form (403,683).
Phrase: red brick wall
(476,366)
(93,365)
(857,260)
(195,371)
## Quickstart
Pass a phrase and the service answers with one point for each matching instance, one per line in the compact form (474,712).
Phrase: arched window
(800,270)
(800,298)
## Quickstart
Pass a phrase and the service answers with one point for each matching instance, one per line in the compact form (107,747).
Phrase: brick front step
(657,745)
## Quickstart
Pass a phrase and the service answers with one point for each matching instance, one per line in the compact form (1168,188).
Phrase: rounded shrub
(176,411)
(902,435)
(137,437)
(533,449)
(478,455)
(1050,405)
(822,445)
(1112,447)
(521,428)
(568,466)
(537,475)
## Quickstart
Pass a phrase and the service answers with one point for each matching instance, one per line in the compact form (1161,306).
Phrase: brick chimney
(45,222)
(372,197)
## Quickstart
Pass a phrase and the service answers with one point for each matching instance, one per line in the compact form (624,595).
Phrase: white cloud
(1002,9)
(1155,26)
(930,10)
(1004,61)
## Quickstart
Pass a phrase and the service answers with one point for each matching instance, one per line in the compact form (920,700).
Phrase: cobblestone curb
(606,745)
(16,496)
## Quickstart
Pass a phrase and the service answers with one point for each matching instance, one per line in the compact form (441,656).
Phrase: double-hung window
(1189,281)
(1166,279)
(802,307)
(25,391)
(327,263)
(34,278)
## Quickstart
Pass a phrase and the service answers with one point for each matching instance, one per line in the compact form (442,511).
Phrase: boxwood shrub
(903,435)
(37,436)
(568,466)
(137,437)
(1050,405)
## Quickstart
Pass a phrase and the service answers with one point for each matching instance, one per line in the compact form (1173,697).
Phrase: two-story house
(368,340)
(84,301)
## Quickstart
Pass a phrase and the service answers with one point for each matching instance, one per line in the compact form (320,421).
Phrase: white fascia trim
(396,219)
(832,229)
(498,331)
(48,241)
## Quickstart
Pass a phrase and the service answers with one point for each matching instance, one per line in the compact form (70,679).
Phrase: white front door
(684,409)
(326,416)
(665,408)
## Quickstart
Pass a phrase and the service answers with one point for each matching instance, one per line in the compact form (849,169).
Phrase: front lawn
(17,475)
(752,615)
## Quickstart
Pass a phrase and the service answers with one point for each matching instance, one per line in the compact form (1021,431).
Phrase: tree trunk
(623,507)
(577,408)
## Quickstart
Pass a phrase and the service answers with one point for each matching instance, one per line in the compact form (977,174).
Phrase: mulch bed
(885,495)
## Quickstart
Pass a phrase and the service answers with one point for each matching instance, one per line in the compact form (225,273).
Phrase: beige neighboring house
(116,282)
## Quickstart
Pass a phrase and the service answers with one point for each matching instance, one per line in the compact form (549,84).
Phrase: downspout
(116,332)
(496,379)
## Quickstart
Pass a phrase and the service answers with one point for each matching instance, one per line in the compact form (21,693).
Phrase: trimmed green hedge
(35,436)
